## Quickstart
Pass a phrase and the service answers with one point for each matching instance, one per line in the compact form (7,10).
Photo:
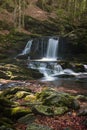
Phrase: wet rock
(66,76)
(20,56)
(78,67)
(35,126)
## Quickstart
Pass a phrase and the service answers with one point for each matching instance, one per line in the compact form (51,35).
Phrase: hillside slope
(38,22)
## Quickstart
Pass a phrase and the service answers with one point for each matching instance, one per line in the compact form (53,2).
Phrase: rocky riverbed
(32,105)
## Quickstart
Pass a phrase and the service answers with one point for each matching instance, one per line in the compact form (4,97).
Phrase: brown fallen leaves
(69,121)
(66,122)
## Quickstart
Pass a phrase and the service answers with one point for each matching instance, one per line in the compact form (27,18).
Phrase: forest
(43,64)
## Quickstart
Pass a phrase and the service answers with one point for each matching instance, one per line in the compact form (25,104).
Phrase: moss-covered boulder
(30,98)
(18,112)
(11,109)
(81,97)
(35,126)
(51,97)
(46,92)
(3,75)
(4,127)
(43,110)
(15,112)
(6,122)
(17,91)
(18,71)
(78,67)
(49,111)
(21,94)
(6,103)
(27,119)
(60,110)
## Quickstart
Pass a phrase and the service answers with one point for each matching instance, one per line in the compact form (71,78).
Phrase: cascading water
(48,49)
(52,48)
(27,48)
(85,66)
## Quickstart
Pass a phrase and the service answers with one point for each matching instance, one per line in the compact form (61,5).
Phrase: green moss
(51,97)
(21,94)
(28,119)
(46,92)
(44,110)
(30,98)
(81,97)
(18,112)
(60,110)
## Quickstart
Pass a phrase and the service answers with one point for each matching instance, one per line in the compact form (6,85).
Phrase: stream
(49,56)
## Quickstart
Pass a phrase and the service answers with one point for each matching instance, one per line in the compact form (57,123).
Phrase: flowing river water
(47,56)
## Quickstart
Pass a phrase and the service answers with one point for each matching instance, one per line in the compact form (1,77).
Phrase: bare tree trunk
(23,14)
(19,14)
(15,14)
(19,17)
(75,9)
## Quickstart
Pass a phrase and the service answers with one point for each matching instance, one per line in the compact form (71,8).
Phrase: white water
(27,48)
(48,65)
(52,49)
(85,66)
(51,54)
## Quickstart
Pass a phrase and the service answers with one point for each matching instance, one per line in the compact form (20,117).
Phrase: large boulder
(27,119)
(49,111)
(51,97)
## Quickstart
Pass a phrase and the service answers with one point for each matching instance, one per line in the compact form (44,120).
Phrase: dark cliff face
(66,48)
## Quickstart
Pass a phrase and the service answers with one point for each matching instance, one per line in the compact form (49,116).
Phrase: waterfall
(27,48)
(85,66)
(45,55)
(52,48)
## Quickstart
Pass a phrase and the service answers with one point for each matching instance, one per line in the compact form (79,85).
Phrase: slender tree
(19,13)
